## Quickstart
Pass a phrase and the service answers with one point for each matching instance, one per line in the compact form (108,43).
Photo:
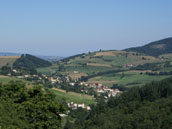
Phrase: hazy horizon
(65,28)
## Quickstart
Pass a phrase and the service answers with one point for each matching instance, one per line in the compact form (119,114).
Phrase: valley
(85,80)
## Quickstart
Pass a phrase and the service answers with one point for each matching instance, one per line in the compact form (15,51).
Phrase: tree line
(28,108)
(147,107)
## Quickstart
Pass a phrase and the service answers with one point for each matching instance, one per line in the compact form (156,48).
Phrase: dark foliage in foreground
(148,107)
(28,108)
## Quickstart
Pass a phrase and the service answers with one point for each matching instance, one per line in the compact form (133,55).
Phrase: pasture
(72,96)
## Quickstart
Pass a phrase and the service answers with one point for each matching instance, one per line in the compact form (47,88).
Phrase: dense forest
(156,48)
(28,108)
(147,107)
(30,62)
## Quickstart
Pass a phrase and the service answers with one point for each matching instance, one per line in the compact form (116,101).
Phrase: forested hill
(29,61)
(156,48)
(28,108)
(148,107)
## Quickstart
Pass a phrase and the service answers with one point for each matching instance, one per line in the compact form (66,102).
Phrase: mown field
(72,96)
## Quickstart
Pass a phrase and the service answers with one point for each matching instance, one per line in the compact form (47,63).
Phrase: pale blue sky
(68,27)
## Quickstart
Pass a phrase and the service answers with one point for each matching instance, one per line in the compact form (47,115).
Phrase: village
(56,80)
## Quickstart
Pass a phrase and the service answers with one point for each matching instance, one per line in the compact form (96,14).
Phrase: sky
(69,27)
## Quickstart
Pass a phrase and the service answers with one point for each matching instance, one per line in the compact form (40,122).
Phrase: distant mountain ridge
(51,58)
(48,58)
(155,48)
(9,54)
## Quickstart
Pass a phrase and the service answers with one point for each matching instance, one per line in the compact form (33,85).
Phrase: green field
(6,79)
(127,79)
(72,96)
(166,56)
(103,61)
(112,58)
(88,69)
(48,70)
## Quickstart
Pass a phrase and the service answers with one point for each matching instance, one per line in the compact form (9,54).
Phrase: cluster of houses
(29,76)
(129,65)
(38,77)
(25,76)
(74,106)
(54,80)
(97,87)
(108,91)
(100,89)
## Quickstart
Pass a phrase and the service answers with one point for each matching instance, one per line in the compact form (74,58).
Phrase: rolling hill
(31,62)
(130,67)
(155,48)
(110,67)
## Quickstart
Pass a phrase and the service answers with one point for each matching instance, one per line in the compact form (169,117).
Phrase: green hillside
(109,68)
(148,107)
(156,48)
(72,96)
(6,79)
(105,60)
(28,108)
(31,62)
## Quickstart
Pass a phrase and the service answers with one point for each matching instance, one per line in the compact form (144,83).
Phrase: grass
(75,76)
(99,65)
(6,79)
(88,70)
(4,60)
(101,61)
(128,79)
(166,56)
(48,70)
(72,96)
(92,63)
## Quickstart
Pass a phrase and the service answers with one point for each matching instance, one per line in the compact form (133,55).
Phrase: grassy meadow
(6,79)
(72,96)
(127,79)
(103,61)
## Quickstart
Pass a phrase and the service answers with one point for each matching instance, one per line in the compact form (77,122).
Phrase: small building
(81,105)
(71,84)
